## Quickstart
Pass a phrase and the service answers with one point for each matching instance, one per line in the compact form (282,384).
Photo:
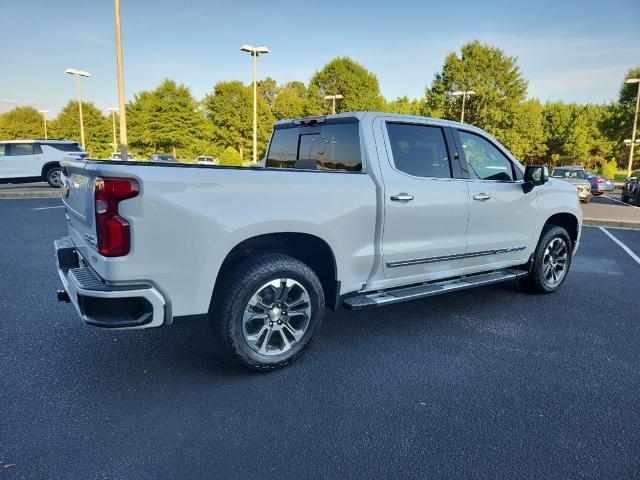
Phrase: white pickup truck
(356,210)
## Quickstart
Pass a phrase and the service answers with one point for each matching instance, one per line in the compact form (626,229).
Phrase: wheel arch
(306,247)
(566,220)
(47,166)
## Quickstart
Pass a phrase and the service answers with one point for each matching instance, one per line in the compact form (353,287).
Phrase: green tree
(526,137)
(167,119)
(230,157)
(21,123)
(268,90)
(345,77)
(230,109)
(404,105)
(291,101)
(97,128)
(619,124)
(493,76)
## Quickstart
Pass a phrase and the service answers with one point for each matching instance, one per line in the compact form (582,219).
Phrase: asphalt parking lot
(489,383)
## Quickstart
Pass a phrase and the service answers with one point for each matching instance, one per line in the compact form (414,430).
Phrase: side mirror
(534,175)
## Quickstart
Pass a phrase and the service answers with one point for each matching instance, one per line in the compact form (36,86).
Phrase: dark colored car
(600,184)
(631,189)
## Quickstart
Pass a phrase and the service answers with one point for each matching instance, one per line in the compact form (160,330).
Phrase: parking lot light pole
(122,112)
(78,74)
(44,118)
(334,98)
(635,124)
(255,52)
(464,95)
(113,111)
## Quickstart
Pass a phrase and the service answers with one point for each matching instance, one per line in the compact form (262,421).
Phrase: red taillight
(114,237)
(599,180)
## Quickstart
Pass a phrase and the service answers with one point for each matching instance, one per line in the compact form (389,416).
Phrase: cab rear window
(333,147)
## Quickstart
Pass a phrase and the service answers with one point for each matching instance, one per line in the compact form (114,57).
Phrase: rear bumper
(602,188)
(103,305)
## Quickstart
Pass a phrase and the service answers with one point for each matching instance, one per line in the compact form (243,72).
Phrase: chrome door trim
(458,256)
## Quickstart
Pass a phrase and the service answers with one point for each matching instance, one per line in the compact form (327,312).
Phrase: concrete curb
(8,195)
(599,222)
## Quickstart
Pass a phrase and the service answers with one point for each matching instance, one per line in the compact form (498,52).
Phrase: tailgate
(77,195)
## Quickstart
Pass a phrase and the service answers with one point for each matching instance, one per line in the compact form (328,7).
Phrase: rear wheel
(625,198)
(550,261)
(596,194)
(268,310)
(53,176)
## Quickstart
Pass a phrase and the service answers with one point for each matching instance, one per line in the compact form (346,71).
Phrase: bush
(230,157)
(608,169)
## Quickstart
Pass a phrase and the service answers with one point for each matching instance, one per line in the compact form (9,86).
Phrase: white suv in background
(36,160)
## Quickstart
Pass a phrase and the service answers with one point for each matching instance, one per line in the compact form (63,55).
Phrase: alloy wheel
(276,317)
(555,261)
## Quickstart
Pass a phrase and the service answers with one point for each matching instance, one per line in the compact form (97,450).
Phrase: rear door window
(333,147)
(18,149)
(419,150)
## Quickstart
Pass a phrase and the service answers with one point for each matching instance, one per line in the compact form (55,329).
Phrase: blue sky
(567,50)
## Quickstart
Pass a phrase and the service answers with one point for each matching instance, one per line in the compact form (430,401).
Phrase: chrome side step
(387,297)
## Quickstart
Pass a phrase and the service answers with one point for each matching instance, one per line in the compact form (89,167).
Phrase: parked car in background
(204,160)
(577,176)
(631,189)
(118,156)
(358,209)
(600,184)
(36,160)
(163,158)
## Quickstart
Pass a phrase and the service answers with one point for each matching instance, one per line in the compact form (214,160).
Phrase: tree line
(169,119)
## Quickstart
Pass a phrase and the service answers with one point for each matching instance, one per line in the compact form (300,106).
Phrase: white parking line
(619,201)
(622,245)
(47,208)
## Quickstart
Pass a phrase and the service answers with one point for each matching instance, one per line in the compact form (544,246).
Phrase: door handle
(482,197)
(402,197)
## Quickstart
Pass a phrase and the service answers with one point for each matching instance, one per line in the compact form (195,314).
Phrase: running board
(387,297)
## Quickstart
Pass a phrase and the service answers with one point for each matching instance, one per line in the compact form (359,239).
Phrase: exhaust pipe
(63,296)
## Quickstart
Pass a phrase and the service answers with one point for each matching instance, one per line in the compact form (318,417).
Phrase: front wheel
(268,310)
(53,176)
(596,194)
(550,261)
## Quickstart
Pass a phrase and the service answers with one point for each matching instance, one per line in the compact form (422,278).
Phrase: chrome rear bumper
(101,304)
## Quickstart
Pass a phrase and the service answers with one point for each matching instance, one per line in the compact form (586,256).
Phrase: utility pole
(78,74)
(333,98)
(635,124)
(113,111)
(464,95)
(44,117)
(121,106)
(255,52)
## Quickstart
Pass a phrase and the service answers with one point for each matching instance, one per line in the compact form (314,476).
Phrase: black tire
(624,198)
(596,194)
(52,176)
(536,281)
(242,285)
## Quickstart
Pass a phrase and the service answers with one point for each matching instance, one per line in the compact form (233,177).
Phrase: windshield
(567,173)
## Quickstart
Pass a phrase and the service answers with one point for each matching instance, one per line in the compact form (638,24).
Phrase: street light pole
(333,98)
(44,117)
(113,111)
(463,94)
(255,51)
(78,74)
(122,112)
(635,124)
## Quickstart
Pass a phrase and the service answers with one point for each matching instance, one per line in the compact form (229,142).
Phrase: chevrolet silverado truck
(358,210)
